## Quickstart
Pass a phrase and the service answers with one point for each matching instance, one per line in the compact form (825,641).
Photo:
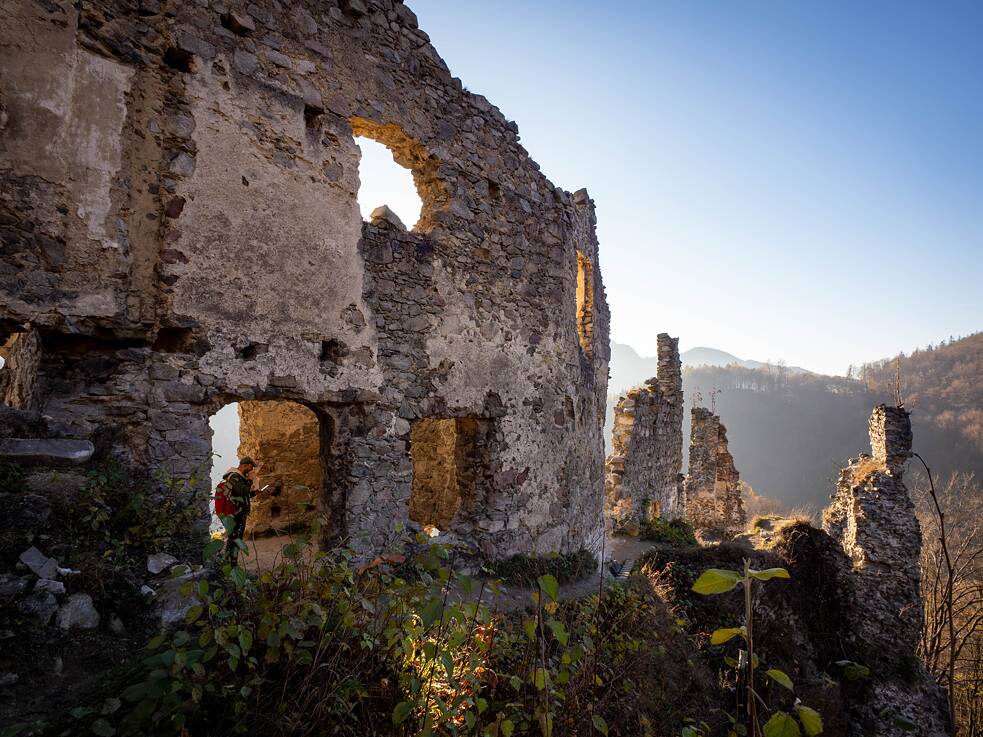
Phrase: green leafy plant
(750,670)
(328,643)
(672,532)
(525,570)
(130,516)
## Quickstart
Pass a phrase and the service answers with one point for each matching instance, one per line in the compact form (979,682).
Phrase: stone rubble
(39,606)
(160,562)
(171,603)
(39,564)
(46,584)
(77,612)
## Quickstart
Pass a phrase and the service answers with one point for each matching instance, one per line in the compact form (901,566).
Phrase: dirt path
(266,552)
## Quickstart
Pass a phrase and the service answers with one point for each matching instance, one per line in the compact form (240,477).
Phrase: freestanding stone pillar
(642,479)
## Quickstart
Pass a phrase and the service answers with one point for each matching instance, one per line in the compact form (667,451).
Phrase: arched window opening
(284,438)
(384,182)
(585,303)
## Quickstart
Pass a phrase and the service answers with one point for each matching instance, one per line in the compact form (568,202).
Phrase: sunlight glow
(384,182)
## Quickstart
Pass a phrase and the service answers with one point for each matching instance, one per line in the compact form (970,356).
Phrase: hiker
(232,499)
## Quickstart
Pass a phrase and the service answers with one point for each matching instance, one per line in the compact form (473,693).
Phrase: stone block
(77,613)
(47,451)
(39,564)
(40,606)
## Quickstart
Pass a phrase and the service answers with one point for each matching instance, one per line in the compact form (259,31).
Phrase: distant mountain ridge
(629,369)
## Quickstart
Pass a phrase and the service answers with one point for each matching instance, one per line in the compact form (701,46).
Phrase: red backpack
(224,506)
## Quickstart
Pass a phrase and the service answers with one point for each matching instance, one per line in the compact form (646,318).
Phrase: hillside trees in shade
(953,650)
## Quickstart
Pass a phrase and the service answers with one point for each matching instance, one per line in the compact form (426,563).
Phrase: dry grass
(865,469)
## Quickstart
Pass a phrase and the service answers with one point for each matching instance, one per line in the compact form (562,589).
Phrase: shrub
(322,645)
(671,532)
(525,570)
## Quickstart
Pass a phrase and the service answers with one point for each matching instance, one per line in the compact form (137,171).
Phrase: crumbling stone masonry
(180,230)
(286,437)
(643,478)
(712,488)
(873,519)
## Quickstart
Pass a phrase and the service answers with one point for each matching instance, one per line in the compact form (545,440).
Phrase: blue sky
(773,178)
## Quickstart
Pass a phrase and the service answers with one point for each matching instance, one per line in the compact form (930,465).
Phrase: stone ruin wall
(284,439)
(872,518)
(643,471)
(712,489)
(180,228)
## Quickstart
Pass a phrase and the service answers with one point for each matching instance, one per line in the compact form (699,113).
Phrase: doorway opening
(449,463)
(284,438)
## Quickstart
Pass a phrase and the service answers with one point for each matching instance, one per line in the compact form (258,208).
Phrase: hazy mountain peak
(629,369)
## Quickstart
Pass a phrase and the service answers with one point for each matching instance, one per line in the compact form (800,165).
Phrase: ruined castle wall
(712,487)
(178,187)
(643,479)
(284,439)
(872,518)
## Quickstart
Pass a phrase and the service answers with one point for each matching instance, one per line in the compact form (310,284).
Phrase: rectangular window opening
(585,303)
(448,465)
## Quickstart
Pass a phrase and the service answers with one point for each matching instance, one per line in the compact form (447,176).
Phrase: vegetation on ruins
(402,646)
(525,570)
(669,531)
(327,643)
(746,719)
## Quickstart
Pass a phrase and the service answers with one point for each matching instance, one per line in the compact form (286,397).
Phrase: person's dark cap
(246,461)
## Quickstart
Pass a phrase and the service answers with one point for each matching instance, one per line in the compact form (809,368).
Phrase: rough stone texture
(180,226)
(39,564)
(47,584)
(159,562)
(284,439)
(171,603)
(15,423)
(873,519)
(643,472)
(40,606)
(21,354)
(46,451)
(77,612)
(712,488)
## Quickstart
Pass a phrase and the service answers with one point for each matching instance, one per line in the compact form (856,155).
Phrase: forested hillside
(790,433)
(943,383)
